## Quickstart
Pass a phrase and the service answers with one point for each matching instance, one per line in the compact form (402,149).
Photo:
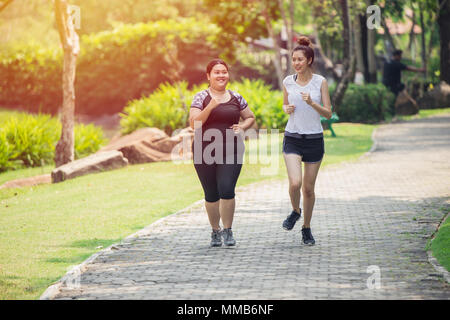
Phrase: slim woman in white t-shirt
(306,98)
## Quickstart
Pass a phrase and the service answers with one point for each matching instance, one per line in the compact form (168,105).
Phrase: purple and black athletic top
(218,177)
(225,114)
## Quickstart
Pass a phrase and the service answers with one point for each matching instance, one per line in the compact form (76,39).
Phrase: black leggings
(218,180)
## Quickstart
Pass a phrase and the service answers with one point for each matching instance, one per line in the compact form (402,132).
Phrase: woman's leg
(212,208)
(294,171)
(227,212)
(207,176)
(309,197)
(227,175)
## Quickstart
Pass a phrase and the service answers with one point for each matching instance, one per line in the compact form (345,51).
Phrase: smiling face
(218,77)
(299,61)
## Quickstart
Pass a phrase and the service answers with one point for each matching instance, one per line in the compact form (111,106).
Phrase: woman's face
(299,61)
(218,77)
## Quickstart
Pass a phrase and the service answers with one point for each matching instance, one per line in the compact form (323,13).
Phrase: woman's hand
(307,98)
(288,108)
(237,128)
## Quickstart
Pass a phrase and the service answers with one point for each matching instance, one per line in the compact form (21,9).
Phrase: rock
(405,105)
(150,135)
(97,162)
(439,97)
(167,144)
(32,181)
(152,145)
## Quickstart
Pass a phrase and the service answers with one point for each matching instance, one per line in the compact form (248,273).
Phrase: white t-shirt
(304,120)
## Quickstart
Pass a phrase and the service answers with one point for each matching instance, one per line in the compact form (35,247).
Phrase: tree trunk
(3,6)
(412,35)
(444,26)
(363,24)
(349,59)
(388,35)
(329,66)
(424,49)
(64,152)
(371,59)
(358,46)
(287,26)
(277,58)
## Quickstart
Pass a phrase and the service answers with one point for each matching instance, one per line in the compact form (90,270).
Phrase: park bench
(334,118)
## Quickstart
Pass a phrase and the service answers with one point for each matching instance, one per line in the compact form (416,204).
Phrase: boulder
(405,105)
(139,146)
(152,145)
(182,141)
(97,162)
(25,182)
(439,97)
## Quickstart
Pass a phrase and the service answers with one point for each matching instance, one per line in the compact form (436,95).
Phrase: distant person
(306,98)
(218,110)
(392,73)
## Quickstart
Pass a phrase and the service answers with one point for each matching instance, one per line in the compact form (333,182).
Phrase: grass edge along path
(440,243)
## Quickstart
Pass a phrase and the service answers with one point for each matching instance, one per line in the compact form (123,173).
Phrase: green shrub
(265,103)
(370,103)
(32,138)
(113,67)
(29,140)
(167,109)
(88,140)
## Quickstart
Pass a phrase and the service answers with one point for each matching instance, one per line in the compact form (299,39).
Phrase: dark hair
(397,52)
(305,45)
(213,62)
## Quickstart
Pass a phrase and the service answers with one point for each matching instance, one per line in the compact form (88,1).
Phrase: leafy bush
(29,140)
(368,103)
(113,67)
(88,140)
(167,108)
(265,103)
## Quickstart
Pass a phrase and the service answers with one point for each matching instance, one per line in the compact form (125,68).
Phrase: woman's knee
(295,185)
(226,192)
(308,191)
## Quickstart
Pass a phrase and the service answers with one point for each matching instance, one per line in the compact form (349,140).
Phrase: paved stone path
(378,211)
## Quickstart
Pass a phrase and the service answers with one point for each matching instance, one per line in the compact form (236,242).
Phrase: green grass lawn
(440,246)
(48,228)
(424,113)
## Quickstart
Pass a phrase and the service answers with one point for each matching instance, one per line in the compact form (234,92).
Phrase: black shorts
(311,150)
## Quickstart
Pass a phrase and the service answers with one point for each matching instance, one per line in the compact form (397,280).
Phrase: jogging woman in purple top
(218,111)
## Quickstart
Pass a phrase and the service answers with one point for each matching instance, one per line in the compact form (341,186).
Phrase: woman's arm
(324,110)
(195,114)
(249,120)
(287,108)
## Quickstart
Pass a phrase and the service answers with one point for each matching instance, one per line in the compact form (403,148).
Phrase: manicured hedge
(113,67)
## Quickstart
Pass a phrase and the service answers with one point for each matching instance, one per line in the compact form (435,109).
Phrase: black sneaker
(291,219)
(307,237)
